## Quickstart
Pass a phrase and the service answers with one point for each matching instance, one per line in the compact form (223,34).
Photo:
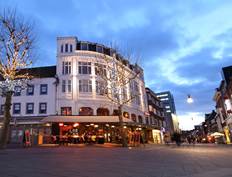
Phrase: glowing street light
(189,99)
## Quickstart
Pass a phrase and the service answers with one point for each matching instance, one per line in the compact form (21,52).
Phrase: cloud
(182,44)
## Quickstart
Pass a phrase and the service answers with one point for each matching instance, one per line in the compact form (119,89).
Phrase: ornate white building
(69,92)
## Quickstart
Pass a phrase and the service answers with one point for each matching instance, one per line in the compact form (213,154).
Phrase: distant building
(156,116)
(170,111)
(168,101)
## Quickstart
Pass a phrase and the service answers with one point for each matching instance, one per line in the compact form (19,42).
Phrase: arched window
(147,121)
(126,115)
(115,112)
(103,112)
(133,117)
(140,119)
(66,47)
(62,48)
(85,111)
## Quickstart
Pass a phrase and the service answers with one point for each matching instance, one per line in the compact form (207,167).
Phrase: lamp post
(189,99)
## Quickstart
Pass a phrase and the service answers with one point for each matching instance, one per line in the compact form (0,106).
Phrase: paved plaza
(106,161)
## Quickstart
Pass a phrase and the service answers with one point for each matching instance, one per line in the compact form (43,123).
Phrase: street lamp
(189,99)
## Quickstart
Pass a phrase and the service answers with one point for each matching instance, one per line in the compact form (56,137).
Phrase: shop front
(157,138)
(86,129)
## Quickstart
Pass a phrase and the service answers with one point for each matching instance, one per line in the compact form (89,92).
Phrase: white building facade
(68,94)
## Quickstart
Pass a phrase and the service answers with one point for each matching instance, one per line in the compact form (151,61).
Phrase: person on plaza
(142,139)
(166,139)
(177,138)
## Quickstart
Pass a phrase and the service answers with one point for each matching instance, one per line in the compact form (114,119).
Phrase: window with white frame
(29,108)
(63,86)
(17,91)
(69,86)
(100,69)
(66,67)
(42,108)
(100,87)
(16,108)
(84,67)
(85,85)
(43,89)
(30,90)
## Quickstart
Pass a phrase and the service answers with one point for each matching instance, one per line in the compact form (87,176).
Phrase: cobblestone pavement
(149,161)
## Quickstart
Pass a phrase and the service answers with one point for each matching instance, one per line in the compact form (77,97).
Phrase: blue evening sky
(182,44)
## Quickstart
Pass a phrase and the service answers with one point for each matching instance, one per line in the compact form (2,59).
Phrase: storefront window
(66,111)
(103,112)
(86,111)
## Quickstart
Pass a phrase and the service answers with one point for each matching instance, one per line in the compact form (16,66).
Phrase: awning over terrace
(87,119)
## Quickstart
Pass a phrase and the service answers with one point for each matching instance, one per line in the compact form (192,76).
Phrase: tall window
(30,90)
(84,67)
(17,91)
(140,119)
(100,70)
(66,67)
(63,86)
(100,87)
(16,108)
(42,108)
(62,48)
(66,47)
(85,86)
(66,111)
(69,86)
(43,89)
(134,90)
(29,108)
(70,47)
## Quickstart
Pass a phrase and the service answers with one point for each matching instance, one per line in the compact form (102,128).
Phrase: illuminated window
(85,111)
(65,111)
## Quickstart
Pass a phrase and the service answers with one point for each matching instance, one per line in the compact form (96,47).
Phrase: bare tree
(16,44)
(114,79)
